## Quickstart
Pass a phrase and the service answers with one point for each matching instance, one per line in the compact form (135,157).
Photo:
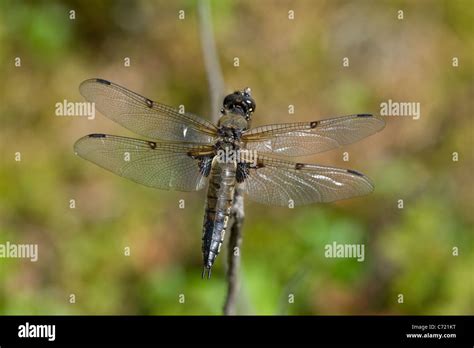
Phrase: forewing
(163,165)
(306,138)
(144,116)
(273,181)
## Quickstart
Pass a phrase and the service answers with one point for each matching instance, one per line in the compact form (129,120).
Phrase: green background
(408,251)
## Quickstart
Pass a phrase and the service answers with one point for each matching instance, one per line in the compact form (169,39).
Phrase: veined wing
(163,165)
(274,181)
(144,116)
(306,138)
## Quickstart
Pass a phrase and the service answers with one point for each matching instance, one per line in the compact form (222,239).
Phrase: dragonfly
(184,152)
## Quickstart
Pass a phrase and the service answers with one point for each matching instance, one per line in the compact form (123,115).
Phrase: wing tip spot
(104,82)
(354,172)
(299,166)
(97,135)
(365,115)
(149,103)
(152,145)
(259,164)
(314,124)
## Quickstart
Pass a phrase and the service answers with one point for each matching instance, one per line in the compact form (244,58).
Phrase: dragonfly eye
(240,102)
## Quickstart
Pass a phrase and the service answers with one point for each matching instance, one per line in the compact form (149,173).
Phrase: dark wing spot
(149,103)
(314,124)
(152,145)
(299,166)
(354,172)
(105,82)
(258,165)
(97,135)
(364,115)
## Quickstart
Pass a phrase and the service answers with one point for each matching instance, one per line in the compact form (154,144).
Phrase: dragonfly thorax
(230,130)
(232,123)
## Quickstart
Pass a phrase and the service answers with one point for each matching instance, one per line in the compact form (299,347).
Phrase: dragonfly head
(239,102)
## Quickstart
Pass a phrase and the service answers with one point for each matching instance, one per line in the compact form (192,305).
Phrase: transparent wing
(306,138)
(144,116)
(273,181)
(163,165)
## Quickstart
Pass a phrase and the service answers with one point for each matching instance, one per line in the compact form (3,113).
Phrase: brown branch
(211,59)
(216,87)
(233,256)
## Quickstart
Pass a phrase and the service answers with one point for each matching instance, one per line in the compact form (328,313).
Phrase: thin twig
(233,256)
(216,87)
(211,59)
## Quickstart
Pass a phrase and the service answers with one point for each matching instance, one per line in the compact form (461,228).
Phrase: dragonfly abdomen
(220,195)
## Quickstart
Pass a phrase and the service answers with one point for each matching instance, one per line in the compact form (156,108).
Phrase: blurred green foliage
(409,251)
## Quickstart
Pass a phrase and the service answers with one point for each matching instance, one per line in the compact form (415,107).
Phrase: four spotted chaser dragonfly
(184,154)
